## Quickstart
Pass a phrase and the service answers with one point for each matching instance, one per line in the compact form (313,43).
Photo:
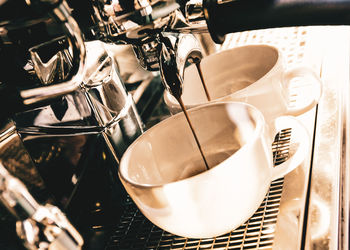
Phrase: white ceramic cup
(254,74)
(164,173)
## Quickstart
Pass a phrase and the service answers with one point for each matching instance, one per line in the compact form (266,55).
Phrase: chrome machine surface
(74,120)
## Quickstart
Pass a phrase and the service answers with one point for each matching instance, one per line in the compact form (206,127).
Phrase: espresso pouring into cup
(165,176)
(254,74)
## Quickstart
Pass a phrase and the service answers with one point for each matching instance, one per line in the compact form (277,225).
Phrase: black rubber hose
(227,16)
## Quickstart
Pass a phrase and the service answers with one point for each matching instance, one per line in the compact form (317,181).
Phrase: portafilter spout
(169,72)
(173,61)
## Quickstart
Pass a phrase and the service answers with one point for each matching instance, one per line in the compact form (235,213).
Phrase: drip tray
(134,231)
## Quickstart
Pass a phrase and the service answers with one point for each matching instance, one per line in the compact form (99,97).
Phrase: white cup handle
(299,145)
(310,79)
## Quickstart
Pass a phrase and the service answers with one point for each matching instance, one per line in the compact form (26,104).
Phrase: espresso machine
(67,115)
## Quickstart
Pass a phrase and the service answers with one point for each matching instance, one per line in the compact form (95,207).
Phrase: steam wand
(40,227)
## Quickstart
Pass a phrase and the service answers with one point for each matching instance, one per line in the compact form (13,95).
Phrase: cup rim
(257,132)
(168,98)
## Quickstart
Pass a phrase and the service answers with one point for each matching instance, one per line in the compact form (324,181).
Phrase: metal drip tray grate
(134,231)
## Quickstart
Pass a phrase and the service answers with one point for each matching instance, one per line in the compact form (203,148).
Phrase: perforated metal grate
(136,232)
(291,41)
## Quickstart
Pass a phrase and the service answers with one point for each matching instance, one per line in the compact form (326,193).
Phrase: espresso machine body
(70,113)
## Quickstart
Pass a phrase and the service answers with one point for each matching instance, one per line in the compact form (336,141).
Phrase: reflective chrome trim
(75,39)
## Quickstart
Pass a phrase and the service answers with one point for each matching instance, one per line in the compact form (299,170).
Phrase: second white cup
(254,74)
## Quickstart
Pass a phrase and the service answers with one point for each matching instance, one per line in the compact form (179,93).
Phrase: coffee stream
(198,65)
(173,83)
(193,132)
